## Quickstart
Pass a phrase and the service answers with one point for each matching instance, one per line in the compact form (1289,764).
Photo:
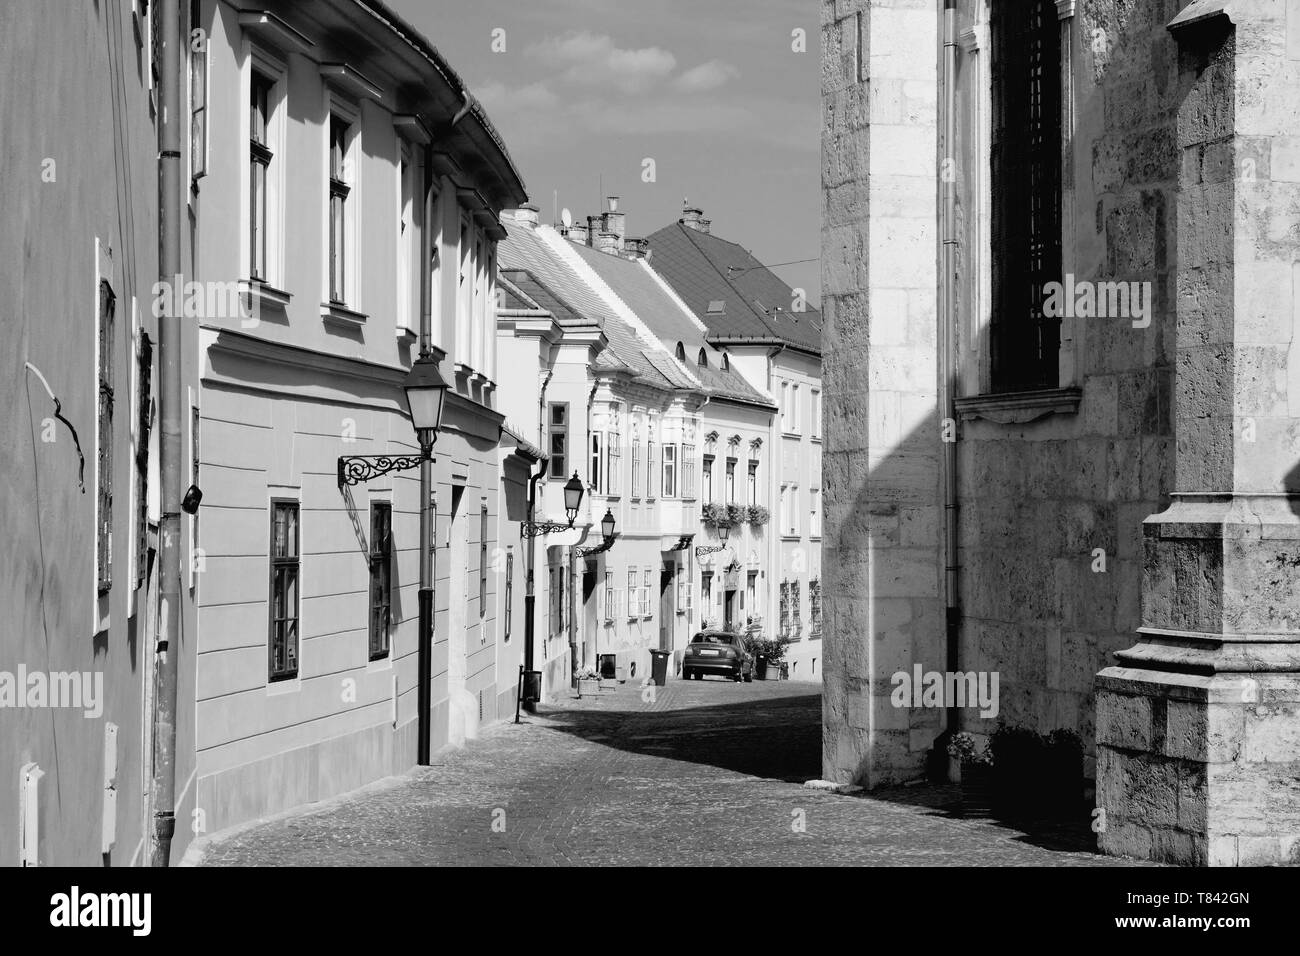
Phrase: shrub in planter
(976,774)
(1018,760)
(714,515)
(1063,772)
(736,514)
(758,515)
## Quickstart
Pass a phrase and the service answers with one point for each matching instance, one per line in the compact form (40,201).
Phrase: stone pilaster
(883,565)
(1198,724)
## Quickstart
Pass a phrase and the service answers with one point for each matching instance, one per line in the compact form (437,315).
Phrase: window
(652,471)
(339,190)
(789,509)
(558,611)
(645,593)
(259,163)
(510,591)
(752,482)
(104,451)
(465,298)
(688,471)
(751,592)
(731,480)
(198,98)
(670,471)
(559,432)
(726,362)
(633,593)
(815,603)
(284,590)
(614,463)
(609,597)
(707,471)
(796,424)
(681,352)
(815,513)
(1026,192)
(482,561)
(706,591)
(636,469)
(784,406)
(816,413)
(597,460)
(794,603)
(381,577)
(406,236)
(785,608)
(703,361)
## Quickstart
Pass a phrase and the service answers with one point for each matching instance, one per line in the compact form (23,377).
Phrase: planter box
(588,686)
(977,789)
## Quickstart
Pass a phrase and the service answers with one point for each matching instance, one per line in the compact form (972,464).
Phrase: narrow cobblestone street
(708,773)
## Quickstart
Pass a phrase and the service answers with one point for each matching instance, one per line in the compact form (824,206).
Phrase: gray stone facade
(1139,519)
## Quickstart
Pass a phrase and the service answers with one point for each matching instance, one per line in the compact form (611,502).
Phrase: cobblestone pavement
(710,772)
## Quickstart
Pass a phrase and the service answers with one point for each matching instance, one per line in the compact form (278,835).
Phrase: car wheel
(687,674)
(749,677)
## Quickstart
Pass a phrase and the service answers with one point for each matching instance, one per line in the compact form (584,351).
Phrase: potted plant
(588,680)
(714,515)
(975,774)
(758,515)
(769,654)
(736,514)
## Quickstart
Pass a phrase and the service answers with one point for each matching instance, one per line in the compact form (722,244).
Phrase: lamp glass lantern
(573,492)
(607,524)
(426,391)
(724,531)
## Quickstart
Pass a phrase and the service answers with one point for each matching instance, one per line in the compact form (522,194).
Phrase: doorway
(667,605)
(589,622)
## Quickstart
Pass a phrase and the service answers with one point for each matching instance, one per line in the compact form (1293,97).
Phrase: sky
(712,91)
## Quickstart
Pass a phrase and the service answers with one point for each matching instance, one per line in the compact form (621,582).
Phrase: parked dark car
(718,652)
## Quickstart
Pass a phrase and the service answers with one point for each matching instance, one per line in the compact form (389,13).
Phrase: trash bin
(659,667)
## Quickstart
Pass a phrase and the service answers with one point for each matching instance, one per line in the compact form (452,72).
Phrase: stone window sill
(341,314)
(1017,408)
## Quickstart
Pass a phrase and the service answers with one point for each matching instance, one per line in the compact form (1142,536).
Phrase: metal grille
(1026,225)
(104,490)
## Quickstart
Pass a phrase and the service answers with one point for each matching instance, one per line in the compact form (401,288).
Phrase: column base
(1199,769)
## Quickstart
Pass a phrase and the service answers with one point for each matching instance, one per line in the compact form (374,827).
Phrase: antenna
(555,205)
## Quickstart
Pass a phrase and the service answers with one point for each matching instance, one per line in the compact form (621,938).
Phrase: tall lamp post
(426,391)
(573,492)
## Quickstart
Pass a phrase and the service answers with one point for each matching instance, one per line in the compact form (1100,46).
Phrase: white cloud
(706,76)
(589,59)
(533,96)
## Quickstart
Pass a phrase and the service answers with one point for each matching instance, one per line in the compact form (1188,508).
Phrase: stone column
(883,602)
(1198,724)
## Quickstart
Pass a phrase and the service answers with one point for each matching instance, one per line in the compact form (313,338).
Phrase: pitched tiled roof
(652,301)
(533,267)
(704,269)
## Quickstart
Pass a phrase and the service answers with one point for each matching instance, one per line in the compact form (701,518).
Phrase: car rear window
(714,639)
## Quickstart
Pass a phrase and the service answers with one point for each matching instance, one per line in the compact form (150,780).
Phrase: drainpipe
(948,351)
(167,649)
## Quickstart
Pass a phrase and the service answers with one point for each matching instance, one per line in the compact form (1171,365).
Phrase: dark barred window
(1026,160)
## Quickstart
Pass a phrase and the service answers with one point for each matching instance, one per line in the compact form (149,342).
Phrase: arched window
(681,352)
(726,362)
(704,360)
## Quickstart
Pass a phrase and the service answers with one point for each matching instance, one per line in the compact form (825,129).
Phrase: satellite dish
(566,217)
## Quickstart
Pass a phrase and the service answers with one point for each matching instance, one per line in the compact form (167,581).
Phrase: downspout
(167,649)
(948,352)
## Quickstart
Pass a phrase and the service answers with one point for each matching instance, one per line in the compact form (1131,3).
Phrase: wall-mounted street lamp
(607,532)
(425,394)
(724,532)
(573,492)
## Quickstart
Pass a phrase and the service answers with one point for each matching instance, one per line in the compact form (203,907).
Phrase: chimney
(693,217)
(577,233)
(612,221)
(595,226)
(606,242)
(525,215)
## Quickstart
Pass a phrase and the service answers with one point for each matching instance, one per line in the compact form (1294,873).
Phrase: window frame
(552,430)
(275,562)
(483,563)
(379,643)
(668,483)
(342,182)
(510,594)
